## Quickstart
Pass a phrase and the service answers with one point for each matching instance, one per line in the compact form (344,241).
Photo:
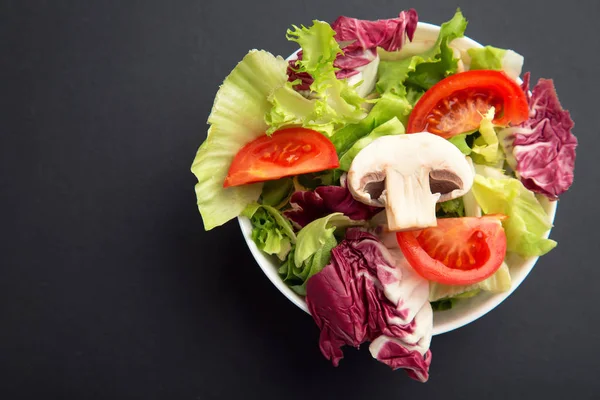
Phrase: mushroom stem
(414,204)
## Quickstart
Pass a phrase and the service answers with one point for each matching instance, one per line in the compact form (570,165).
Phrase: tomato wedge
(458,251)
(287,152)
(455,104)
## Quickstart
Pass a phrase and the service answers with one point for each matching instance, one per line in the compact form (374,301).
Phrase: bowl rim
(489,300)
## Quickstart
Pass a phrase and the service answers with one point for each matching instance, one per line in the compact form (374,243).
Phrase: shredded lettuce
(426,69)
(527,222)
(271,231)
(237,117)
(391,127)
(333,102)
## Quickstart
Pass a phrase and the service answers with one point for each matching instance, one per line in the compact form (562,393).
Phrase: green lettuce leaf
(499,282)
(314,235)
(391,127)
(460,142)
(389,106)
(497,59)
(313,250)
(276,193)
(426,69)
(333,102)
(454,208)
(271,231)
(487,57)
(527,222)
(486,148)
(237,117)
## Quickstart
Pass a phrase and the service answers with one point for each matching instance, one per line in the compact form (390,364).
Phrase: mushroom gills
(444,182)
(408,174)
(375,189)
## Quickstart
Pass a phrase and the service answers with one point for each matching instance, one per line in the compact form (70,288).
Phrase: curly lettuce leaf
(332,102)
(271,231)
(426,69)
(527,223)
(237,117)
(454,208)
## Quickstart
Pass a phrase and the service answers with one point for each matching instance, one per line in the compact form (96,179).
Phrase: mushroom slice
(408,174)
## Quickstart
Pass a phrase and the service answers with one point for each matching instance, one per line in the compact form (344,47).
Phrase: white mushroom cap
(408,174)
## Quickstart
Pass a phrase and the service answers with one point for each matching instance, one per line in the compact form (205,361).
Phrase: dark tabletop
(111,289)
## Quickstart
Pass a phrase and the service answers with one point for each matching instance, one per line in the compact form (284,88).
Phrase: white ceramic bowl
(465,311)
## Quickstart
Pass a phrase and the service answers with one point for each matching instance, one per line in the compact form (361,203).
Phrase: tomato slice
(458,251)
(287,152)
(455,104)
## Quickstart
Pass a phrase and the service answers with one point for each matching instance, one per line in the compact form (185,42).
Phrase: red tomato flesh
(455,104)
(458,251)
(288,152)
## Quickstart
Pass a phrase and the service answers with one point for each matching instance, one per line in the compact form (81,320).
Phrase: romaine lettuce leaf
(271,231)
(333,102)
(527,222)
(426,69)
(237,117)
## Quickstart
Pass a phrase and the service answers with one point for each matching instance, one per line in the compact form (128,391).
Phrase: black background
(110,288)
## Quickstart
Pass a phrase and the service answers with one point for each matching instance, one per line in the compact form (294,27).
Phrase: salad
(389,179)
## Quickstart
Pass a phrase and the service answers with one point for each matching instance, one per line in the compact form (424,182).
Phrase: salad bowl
(468,309)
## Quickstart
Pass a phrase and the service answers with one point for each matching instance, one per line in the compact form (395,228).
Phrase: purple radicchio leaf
(543,147)
(359,40)
(368,293)
(308,206)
